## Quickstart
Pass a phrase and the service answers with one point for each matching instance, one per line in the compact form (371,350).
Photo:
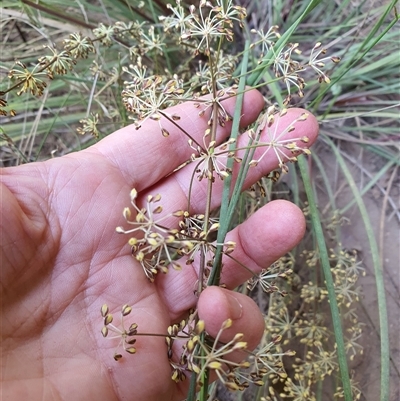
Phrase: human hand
(61,260)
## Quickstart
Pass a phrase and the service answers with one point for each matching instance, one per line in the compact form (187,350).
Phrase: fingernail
(235,308)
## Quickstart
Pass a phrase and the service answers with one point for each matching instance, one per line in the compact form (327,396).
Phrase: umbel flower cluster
(158,248)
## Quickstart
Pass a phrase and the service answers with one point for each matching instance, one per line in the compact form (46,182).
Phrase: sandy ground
(367,367)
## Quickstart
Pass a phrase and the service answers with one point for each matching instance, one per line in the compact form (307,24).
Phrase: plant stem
(225,202)
(324,259)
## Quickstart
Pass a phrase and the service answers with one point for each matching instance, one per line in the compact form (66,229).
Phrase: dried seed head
(126,213)
(195,368)
(214,227)
(277,339)
(108,319)
(133,194)
(200,326)
(178,213)
(158,209)
(238,337)
(190,345)
(133,241)
(131,350)
(215,365)
(223,174)
(175,375)
(303,117)
(176,266)
(104,310)
(126,310)
(231,386)
(132,329)
(240,345)
(227,324)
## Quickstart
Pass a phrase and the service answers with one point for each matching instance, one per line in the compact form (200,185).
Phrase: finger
(216,305)
(176,188)
(267,235)
(144,156)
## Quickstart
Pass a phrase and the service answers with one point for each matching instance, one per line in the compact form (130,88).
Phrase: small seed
(108,319)
(104,310)
(126,310)
(131,350)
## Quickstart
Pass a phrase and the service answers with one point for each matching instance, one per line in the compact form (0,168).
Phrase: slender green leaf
(324,259)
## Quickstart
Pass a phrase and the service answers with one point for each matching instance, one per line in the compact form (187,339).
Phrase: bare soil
(367,367)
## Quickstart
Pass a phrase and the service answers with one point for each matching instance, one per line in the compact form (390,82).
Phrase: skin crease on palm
(61,259)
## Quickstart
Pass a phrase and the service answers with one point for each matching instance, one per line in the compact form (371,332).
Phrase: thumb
(216,305)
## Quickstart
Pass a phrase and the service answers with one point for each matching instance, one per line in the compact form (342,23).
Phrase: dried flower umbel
(277,142)
(152,244)
(126,336)
(307,325)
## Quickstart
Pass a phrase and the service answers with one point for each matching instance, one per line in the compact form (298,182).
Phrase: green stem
(207,213)
(324,259)
(192,388)
(204,387)
(225,202)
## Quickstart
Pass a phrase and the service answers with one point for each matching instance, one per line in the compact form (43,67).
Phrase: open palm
(61,260)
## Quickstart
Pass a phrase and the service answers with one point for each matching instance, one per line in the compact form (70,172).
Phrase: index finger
(144,156)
